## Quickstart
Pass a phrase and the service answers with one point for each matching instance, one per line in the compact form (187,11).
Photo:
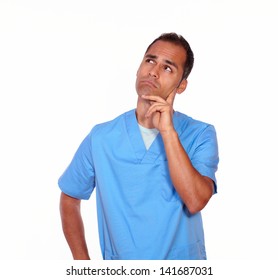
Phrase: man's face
(161,70)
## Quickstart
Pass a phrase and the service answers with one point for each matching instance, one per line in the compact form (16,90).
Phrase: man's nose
(154,71)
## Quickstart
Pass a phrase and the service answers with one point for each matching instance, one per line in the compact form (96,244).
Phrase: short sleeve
(78,180)
(205,158)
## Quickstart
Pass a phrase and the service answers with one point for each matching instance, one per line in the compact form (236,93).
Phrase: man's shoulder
(185,122)
(113,124)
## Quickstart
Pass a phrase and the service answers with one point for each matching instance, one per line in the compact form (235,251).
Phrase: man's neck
(141,110)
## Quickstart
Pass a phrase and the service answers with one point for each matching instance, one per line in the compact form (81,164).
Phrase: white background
(68,65)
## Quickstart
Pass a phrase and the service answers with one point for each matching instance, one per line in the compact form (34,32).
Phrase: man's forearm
(194,189)
(73,227)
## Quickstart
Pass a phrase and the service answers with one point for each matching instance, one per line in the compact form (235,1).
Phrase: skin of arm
(73,227)
(194,189)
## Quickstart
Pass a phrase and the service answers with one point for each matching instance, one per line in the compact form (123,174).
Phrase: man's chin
(147,92)
(146,89)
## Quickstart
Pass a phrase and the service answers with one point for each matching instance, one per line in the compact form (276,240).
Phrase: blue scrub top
(140,215)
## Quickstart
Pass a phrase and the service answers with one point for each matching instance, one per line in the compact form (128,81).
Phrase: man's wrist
(168,133)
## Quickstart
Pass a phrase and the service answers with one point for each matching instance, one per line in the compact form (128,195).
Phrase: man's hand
(161,112)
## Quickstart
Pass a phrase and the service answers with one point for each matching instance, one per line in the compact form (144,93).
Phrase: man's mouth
(150,83)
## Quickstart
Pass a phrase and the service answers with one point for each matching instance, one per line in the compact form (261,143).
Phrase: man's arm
(194,189)
(73,226)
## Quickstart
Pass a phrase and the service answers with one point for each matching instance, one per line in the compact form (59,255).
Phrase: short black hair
(180,41)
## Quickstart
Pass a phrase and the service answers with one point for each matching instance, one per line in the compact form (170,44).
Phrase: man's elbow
(197,205)
(194,209)
(200,200)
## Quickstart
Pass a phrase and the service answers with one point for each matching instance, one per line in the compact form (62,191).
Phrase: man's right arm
(73,226)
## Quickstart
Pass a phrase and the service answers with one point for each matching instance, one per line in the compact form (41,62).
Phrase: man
(153,169)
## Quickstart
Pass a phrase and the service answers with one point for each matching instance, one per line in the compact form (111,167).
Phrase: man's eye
(167,68)
(149,60)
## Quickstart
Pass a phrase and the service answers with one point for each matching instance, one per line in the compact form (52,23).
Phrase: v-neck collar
(143,155)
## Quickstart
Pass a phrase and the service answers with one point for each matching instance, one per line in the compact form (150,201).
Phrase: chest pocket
(168,191)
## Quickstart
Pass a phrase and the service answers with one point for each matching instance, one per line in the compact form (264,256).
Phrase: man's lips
(150,83)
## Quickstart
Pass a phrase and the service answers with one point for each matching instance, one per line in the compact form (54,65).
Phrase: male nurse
(153,169)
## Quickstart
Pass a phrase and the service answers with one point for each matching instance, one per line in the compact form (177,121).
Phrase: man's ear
(182,86)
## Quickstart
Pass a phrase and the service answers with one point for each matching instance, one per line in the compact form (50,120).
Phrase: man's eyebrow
(171,63)
(166,60)
(151,56)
